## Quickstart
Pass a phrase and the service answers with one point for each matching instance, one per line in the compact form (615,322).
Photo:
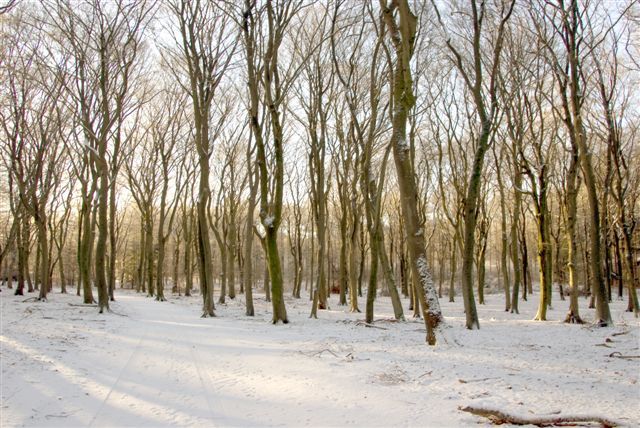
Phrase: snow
(403,146)
(158,364)
(268,221)
(428,286)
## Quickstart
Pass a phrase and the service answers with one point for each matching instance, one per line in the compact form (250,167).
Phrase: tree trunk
(160,265)
(275,274)
(504,246)
(352,268)
(86,249)
(571,207)
(470,222)
(142,257)
(187,225)
(544,255)
(619,271)
(453,267)
(20,249)
(603,315)
(248,239)
(204,248)
(43,242)
(231,253)
(103,233)
(390,278)
(149,251)
(343,275)
(515,221)
(176,265)
(402,35)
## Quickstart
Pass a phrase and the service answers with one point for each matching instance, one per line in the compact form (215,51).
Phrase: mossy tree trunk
(263,33)
(400,25)
(486,103)
(571,209)
(248,234)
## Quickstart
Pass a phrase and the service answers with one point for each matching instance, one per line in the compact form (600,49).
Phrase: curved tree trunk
(402,35)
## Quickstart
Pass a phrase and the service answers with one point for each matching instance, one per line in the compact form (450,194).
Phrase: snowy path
(161,381)
(154,364)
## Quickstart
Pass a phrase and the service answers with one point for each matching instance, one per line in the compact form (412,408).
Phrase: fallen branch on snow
(477,380)
(624,357)
(366,324)
(621,333)
(499,417)
(319,353)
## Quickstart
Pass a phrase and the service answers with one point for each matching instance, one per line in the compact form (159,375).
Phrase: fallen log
(499,417)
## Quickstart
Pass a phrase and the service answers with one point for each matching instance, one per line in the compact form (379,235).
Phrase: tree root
(573,319)
(499,417)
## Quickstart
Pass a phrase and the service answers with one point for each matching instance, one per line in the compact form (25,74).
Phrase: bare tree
(167,131)
(207,44)
(485,98)
(561,28)
(32,126)
(614,104)
(104,42)
(401,25)
(268,84)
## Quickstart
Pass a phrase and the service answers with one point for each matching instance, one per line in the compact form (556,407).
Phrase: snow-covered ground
(159,364)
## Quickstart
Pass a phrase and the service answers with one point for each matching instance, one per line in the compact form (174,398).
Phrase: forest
(424,150)
(399,165)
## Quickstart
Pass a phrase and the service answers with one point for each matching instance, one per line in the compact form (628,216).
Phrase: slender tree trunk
(149,251)
(571,209)
(481,268)
(544,256)
(160,267)
(142,257)
(343,276)
(603,315)
(389,278)
(231,253)
(43,242)
(205,257)
(113,230)
(470,222)
(176,265)
(515,247)
(223,269)
(20,249)
(103,232)
(526,275)
(86,249)
(248,239)
(630,272)
(504,245)
(187,225)
(353,273)
(63,278)
(619,271)
(453,267)
(275,274)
